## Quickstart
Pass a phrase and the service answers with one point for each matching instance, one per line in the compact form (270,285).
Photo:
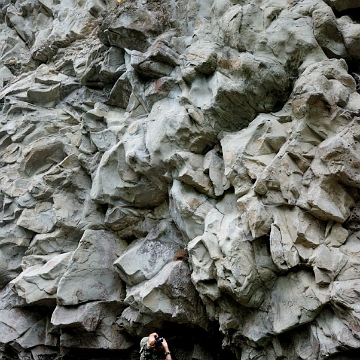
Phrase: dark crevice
(345,355)
(354,71)
(354,14)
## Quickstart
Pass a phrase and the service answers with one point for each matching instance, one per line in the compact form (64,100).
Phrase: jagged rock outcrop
(185,167)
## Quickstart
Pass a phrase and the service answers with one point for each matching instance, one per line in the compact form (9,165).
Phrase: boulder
(34,337)
(258,145)
(85,317)
(328,326)
(190,170)
(221,104)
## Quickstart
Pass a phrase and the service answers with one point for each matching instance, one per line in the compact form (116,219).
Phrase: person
(151,350)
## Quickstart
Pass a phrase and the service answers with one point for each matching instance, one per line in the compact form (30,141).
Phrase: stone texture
(38,283)
(183,167)
(146,257)
(90,275)
(180,303)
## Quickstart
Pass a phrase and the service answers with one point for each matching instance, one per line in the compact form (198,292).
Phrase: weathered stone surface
(350,32)
(115,179)
(16,322)
(247,152)
(231,88)
(38,283)
(41,219)
(146,257)
(325,24)
(190,170)
(169,129)
(189,208)
(159,60)
(120,93)
(58,241)
(85,317)
(217,255)
(11,257)
(34,339)
(328,326)
(299,304)
(179,302)
(183,167)
(133,29)
(90,275)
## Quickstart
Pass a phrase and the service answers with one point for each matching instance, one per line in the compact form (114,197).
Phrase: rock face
(184,167)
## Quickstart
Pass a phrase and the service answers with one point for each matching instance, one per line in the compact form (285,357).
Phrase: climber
(154,347)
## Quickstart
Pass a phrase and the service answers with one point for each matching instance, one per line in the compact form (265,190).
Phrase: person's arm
(148,343)
(152,339)
(166,350)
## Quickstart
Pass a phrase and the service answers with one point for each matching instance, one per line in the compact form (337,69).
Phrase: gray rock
(120,93)
(165,294)
(133,29)
(325,24)
(15,322)
(350,31)
(189,209)
(159,60)
(109,184)
(184,166)
(300,304)
(144,258)
(84,317)
(190,170)
(40,219)
(34,337)
(38,283)
(90,275)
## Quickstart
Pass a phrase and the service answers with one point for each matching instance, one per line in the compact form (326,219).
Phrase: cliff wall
(190,167)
